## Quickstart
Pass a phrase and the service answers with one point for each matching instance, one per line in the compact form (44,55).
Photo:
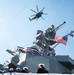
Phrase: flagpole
(55,45)
(66,36)
(69,33)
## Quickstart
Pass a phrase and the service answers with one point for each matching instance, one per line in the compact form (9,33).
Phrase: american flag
(61,39)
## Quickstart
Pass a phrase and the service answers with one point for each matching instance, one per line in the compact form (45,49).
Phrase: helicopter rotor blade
(33,11)
(37,8)
(42,17)
(45,14)
(42,9)
(32,15)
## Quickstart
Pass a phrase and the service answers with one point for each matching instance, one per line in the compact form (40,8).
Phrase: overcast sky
(17,30)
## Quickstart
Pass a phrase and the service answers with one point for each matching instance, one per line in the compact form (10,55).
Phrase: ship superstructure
(42,52)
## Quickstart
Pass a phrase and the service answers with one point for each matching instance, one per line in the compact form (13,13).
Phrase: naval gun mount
(47,39)
(41,52)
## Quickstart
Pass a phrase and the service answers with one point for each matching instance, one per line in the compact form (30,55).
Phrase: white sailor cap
(17,68)
(25,68)
(41,64)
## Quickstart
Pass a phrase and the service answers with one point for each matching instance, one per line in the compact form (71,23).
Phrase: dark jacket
(42,70)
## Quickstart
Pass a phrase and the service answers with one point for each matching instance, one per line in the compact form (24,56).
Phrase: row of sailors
(41,69)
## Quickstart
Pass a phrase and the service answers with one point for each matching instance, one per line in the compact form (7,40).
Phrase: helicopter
(38,14)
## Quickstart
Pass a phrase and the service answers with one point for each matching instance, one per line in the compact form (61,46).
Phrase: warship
(42,52)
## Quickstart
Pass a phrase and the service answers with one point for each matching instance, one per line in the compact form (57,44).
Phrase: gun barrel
(9,51)
(58,26)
